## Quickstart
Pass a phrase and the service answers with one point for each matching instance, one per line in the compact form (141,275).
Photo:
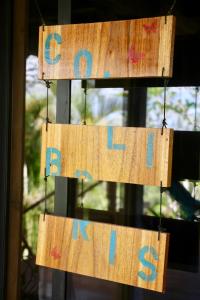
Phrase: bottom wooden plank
(121,254)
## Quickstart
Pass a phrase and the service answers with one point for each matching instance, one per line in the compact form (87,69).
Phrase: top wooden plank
(118,49)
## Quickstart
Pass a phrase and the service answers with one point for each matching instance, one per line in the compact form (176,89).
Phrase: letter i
(112,252)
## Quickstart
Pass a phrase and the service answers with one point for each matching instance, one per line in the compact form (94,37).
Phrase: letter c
(57,37)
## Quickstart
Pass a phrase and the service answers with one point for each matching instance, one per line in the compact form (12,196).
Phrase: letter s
(148,264)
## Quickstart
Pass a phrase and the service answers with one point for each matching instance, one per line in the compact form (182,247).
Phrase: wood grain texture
(117,49)
(119,154)
(89,249)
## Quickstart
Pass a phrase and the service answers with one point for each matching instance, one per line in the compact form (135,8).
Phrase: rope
(164,122)
(164,125)
(171,8)
(195,129)
(195,108)
(48,86)
(84,123)
(85,105)
(39,12)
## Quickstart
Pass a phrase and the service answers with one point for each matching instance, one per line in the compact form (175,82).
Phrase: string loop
(164,121)
(48,86)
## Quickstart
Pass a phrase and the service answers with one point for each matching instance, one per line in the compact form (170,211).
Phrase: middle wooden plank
(118,154)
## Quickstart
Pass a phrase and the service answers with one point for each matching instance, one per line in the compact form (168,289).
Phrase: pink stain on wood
(134,56)
(151,27)
(55,253)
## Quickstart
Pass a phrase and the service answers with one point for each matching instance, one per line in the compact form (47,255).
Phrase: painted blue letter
(110,144)
(88,56)
(112,253)
(148,264)
(56,162)
(83,224)
(58,38)
(150,150)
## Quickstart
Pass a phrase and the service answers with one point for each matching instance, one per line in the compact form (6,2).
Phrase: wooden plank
(98,250)
(117,49)
(119,154)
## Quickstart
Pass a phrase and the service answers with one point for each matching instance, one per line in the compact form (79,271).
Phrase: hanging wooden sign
(120,254)
(118,49)
(118,154)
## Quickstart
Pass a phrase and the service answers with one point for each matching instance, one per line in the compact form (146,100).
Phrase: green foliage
(34,119)
(95,198)
(30,223)
(33,123)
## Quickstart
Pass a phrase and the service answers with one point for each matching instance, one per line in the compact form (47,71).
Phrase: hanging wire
(195,108)
(169,12)
(84,123)
(48,86)
(39,12)
(171,8)
(164,125)
(195,129)
(164,122)
(85,104)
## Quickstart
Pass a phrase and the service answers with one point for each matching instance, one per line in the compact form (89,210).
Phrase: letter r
(82,224)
